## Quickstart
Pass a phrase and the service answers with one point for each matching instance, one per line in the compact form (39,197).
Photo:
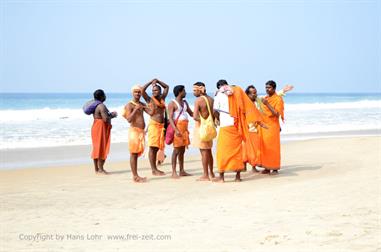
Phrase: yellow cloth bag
(207,127)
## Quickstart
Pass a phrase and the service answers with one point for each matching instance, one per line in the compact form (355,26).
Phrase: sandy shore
(326,198)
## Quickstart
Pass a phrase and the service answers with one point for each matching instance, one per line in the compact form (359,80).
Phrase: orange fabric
(270,138)
(229,149)
(136,140)
(254,140)
(196,142)
(182,125)
(156,134)
(245,113)
(100,136)
(160,104)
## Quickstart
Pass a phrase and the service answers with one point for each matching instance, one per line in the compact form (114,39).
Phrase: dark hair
(178,89)
(221,83)
(99,95)
(199,83)
(157,87)
(248,89)
(271,83)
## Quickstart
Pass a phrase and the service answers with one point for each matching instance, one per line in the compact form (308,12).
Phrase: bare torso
(137,120)
(158,115)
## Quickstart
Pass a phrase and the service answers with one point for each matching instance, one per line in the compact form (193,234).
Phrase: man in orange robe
(236,113)
(270,138)
(101,132)
(156,136)
(254,134)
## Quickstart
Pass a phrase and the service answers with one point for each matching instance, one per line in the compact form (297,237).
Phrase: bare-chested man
(134,115)
(156,129)
(178,109)
(202,106)
(101,132)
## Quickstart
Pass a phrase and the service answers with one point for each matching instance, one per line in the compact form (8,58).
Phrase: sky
(80,46)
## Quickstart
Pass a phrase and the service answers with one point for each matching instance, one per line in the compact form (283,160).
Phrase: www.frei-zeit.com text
(43,237)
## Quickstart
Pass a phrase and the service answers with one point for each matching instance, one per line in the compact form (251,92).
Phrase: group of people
(249,128)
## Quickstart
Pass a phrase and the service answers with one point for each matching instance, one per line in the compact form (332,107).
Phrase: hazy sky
(79,46)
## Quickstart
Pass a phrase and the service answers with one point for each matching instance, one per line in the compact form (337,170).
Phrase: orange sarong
(270,138)
(156,134)
(245,113)
(254,140)
(196,142)
(229,149)
(182,125)
(100,136)
(136,140)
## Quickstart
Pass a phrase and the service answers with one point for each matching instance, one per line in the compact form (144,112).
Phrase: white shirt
(221,104)
(184,115)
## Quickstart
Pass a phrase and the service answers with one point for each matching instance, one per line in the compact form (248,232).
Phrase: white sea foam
(64,127)
(364,104)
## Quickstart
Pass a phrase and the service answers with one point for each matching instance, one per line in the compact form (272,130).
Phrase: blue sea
(30,120)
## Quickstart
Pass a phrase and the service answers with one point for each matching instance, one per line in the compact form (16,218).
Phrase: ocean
(32,120)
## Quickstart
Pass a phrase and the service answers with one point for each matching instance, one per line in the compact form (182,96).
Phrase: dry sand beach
(326,198)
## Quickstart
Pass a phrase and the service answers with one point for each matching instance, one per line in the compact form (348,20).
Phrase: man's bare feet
(265,171)
(138,179)
(203,178)
(157,172)
(274,172)
(218,180)
(175,176)
(102,172)
(184,173)
(212,175)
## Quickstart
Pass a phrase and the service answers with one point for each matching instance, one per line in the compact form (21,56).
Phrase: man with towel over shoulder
(133,112)
(236,113)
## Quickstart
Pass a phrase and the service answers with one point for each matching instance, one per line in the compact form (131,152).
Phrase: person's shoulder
(100,106)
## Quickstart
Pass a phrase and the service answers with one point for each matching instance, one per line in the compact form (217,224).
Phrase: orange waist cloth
(196,142)
(182,125)
(136,140)
(251,149)
(156,134)
(229,149)
(100,136)
(270,146)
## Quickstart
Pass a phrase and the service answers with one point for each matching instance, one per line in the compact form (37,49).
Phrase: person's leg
(204,161)
(220,179)
(210,163)
(101,163)
(152,159)
(238,177)
(96,165)
(181,162)
(175,153)
(134,168)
